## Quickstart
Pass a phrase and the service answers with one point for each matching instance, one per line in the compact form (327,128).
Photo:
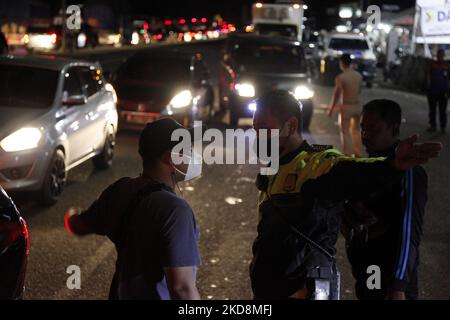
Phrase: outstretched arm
(354,178)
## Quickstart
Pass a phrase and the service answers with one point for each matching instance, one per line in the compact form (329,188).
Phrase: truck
(278,19)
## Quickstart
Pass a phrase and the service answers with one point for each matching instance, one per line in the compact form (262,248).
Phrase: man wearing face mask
(299,206)
(153,229)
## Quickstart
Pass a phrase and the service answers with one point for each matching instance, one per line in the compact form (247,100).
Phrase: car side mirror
(75,100)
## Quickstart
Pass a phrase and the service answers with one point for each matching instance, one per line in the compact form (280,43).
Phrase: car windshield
(153,69)
(27,87)
(268,58)
(277,30)
(348,44)
(43,30)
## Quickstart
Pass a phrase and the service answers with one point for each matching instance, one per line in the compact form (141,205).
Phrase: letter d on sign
(74,280)
(374,280)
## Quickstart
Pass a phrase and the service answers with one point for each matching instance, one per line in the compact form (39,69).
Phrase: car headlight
(109,87)
(22,139)
(303,93)
(81,40)
(182,100)
(368,55)
(245,90)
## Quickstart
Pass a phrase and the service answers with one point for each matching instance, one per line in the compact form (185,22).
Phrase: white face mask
(194,169)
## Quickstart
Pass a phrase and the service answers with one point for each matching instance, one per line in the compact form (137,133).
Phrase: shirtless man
(347,89)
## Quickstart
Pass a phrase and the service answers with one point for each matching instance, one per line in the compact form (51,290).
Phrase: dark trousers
(362,255)
(435,100)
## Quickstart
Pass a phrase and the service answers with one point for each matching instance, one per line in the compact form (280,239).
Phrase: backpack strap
(120,236)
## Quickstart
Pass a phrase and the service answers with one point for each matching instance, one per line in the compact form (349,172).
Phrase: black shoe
(431,129)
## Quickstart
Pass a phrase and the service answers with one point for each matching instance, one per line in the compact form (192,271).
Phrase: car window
(270,58)
(72,84)
(27,87)
(348,44)
(277,30)
(91,80)
(156,69)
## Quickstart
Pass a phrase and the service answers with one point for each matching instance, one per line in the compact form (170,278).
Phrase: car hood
(269,81)
(147,96)
(13,119)
(357,54)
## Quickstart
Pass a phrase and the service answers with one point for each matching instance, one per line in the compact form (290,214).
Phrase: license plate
(140,120)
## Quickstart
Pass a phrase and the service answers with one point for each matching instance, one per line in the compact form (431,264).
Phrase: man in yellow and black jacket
(299,206)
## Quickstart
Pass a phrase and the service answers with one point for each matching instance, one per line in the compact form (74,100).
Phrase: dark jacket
(385,229)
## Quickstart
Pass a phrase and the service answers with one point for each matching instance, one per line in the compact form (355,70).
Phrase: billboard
(435,21)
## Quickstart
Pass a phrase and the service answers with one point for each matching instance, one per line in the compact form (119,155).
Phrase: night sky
(232,10)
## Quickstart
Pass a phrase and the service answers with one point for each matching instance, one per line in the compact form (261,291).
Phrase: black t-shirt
(161,232)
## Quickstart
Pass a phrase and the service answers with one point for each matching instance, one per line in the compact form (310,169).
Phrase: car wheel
(105,159)
(54,180)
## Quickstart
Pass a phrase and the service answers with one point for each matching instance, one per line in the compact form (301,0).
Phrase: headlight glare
(182,100)
(22,139)
(303,92)
(245,90)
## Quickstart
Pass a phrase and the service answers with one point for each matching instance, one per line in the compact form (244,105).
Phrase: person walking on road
(348,89)
(153,229)
(438,79)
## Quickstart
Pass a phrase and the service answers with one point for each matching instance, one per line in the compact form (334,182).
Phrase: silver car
(54,115)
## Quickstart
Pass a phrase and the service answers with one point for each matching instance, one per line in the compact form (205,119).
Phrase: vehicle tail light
(10,231)
(53,37)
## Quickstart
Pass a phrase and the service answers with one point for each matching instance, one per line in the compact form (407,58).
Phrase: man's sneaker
(431,129)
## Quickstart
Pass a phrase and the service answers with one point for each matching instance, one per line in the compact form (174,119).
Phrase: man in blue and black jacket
(385,228)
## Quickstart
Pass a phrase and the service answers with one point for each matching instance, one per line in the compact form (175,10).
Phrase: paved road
(224,200)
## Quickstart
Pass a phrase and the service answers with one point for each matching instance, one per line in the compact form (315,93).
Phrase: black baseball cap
(156,138)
